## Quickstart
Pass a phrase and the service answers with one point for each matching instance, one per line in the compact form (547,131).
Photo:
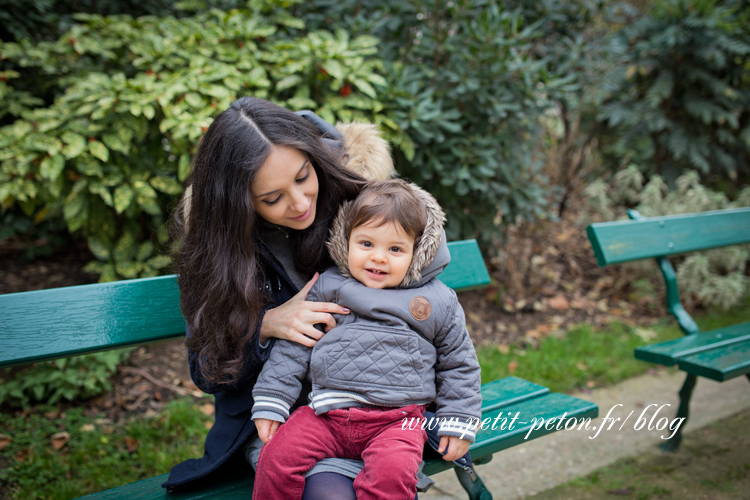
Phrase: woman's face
(285,189)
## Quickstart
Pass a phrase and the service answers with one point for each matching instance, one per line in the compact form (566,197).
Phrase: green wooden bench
(719,354)
(49,324)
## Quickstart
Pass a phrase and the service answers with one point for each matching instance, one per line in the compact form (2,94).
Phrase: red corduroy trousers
(374,435)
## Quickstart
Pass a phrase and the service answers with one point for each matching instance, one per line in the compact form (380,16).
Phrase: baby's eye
(366,244)
(396,249)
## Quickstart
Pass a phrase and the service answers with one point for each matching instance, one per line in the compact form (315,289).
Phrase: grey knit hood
(431,253)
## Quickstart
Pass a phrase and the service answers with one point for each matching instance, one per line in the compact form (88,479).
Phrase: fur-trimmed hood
(431,253)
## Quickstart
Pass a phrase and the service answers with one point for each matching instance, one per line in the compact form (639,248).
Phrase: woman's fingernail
(346,310)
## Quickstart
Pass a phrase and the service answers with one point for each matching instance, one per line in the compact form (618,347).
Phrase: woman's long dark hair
(219,271)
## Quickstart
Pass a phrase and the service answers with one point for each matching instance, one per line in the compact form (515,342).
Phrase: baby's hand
(266,428)
(454,447)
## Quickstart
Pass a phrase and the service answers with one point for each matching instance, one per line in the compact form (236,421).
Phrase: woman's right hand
(295,319)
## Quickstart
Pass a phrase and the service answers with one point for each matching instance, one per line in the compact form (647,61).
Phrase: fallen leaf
(520,304)
(559,302)
(504,349)
(5,441)
(157,396)
(532,334)
(208,409)
(582,366)
(21,455)
(512,366)
(87,428)
(474,317)
(590,384)
(59,440)
(131,444)
(621,492)
(208,425)
(645,334)
(602,305)
(52,415)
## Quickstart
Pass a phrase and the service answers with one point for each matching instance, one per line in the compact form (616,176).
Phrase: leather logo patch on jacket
(420,308)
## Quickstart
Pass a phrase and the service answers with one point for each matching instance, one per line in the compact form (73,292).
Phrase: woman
(264,189)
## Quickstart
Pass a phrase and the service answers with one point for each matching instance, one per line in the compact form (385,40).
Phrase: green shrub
(128,100)
(680,96)
(472,85)
(77,377)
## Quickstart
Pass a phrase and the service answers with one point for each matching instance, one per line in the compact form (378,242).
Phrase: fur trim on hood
(369,155)
(425,248)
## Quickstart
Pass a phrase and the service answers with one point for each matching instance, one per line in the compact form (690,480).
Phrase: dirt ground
(544,280)
(713,463)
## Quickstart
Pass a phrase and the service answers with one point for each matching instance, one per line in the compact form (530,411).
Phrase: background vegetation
(103,103)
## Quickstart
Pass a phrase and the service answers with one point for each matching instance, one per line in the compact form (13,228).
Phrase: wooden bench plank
(720,364)
(508,391)
(672,351)
(150,489)
(467,269)
(623,241)
(60,322)
(546,407)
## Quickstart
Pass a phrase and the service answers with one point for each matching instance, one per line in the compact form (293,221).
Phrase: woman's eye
(272,202)
(303,179)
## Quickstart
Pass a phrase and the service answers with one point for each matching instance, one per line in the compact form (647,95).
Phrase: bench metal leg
(686,392)
(474,487)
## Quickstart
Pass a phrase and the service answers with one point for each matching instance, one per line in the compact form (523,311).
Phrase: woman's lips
(304,216)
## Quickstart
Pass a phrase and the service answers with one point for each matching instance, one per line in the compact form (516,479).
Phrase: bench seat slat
(508,391)
(672,351)
(546,407)
(60,322)
(150,489)
(720,364)
(623,241)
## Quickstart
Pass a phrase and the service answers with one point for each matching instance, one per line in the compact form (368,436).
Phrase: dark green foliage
(77,377)
(471,84)
(101,123)
(680,98)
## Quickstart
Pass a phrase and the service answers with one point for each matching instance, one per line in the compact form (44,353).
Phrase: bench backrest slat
(60,322)
(623,241)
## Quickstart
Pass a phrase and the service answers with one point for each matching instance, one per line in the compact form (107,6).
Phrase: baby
(403,346)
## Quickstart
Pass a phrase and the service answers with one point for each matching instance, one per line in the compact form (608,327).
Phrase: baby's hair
(382,202)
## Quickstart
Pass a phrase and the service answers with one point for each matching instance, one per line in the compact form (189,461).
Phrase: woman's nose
(299,202)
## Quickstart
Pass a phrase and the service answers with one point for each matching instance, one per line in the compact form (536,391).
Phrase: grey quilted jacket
(398,346)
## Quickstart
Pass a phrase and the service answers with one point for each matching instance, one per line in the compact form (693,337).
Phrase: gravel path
(555,459)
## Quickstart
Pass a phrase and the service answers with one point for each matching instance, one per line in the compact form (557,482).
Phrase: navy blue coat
(233,425)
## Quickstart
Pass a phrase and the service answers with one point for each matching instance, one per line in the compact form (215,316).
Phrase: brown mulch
(544,280)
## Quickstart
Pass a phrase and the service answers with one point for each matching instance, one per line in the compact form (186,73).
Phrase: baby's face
(380,255)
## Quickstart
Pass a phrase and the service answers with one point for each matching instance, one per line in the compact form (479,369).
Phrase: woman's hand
(266,428)
(295,319)
(454,447)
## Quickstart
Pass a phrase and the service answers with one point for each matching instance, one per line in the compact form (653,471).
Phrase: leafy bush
(472,82)
(680,98)
(130,99)
(714,278)
(77,377)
